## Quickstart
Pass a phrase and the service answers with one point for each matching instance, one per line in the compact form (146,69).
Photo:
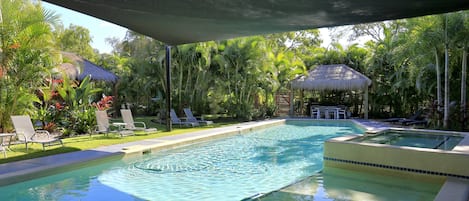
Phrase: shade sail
(78,68)
(332,77)
(186,21)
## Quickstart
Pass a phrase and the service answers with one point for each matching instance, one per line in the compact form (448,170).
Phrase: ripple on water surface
(235,167)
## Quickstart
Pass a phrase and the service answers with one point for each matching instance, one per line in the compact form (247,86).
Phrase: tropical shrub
(78,108)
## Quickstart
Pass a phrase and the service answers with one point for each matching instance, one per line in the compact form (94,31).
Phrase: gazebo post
(291,101)
(365,101)
(302,91)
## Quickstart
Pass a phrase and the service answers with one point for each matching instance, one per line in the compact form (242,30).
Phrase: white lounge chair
(25,132)
(175,120)
(191,118)
(102,122)
(103,125)
(130,124)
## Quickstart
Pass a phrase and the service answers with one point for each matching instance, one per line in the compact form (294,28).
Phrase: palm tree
(140,67)
(427,33)
(192,62)
(463,41)
(455,32)
(26,56)
(241,68)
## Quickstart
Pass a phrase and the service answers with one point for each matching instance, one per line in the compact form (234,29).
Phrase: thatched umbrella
(333,77)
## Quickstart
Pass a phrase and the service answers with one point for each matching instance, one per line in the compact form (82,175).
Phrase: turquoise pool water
(232,168)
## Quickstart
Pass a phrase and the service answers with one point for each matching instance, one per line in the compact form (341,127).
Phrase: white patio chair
(103,125)
(315,113)
(343,113)
(130,124)
(25,132)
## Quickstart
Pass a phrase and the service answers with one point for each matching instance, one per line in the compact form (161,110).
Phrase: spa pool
(412,138)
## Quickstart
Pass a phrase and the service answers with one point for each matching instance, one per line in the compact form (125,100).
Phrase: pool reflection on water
(339,184)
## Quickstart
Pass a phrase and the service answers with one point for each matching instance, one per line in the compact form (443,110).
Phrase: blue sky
(99,29)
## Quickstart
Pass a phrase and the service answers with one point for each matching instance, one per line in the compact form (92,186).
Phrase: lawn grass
(84,142)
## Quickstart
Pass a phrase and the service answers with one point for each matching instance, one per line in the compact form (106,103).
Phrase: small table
(334,111)
(121,131)
(119,125)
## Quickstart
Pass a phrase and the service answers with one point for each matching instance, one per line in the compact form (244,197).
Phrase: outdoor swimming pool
(231,168)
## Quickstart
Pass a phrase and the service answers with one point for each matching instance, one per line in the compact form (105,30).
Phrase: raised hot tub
(404,152)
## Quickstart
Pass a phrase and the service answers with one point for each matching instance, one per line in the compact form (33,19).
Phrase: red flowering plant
(15,46)
(77,116)
(50,126)
(105,103)
(58,106)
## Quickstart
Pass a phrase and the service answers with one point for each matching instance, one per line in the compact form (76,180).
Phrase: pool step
(137,149)
(454,189)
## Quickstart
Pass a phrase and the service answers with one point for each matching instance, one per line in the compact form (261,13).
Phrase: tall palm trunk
(181,77)
(187,89)
(438,81)
(236,82)
(446,112)
(463,85)
(196,101)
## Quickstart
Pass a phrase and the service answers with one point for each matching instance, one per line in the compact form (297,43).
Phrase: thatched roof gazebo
(77,68)
(333,77)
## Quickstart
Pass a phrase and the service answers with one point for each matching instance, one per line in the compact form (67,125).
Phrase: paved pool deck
(38,167)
